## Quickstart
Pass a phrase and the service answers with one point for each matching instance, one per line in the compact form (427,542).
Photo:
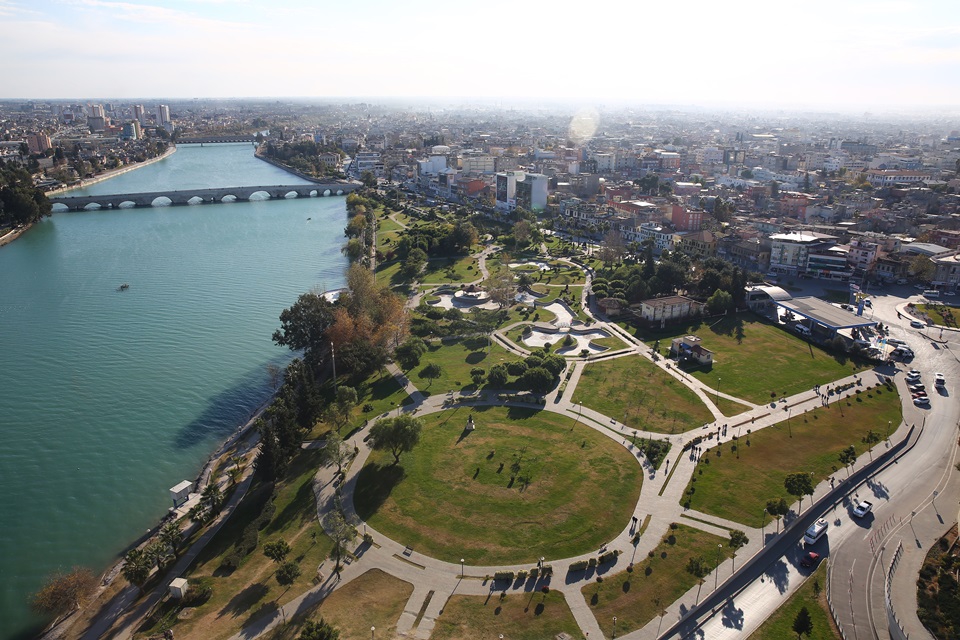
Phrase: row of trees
(303,156)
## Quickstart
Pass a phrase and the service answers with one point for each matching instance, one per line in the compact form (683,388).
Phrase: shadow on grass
(244,600)
(375,482)
(476,357)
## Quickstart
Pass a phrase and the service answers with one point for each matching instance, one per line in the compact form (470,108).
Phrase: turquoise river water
(107,397)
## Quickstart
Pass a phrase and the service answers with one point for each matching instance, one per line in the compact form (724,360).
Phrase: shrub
(367,407)
(592,562)
(199,591)
(503,575)
(609,556)
(546,570)
(579,565)
(522,574)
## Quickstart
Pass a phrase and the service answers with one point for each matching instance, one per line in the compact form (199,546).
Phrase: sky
(814,54)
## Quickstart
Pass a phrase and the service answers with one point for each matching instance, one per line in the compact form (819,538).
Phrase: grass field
(456,358)
(375,599)
(634,387)
(632,596)
(729,407)
(451,270)
(519,617)
(780,624)
(250,591)
(743,345)
(524,484)
(739,489)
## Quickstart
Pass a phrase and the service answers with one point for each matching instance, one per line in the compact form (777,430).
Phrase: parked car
(913,373)
(862,508)
(939,379)
(916,324)
(901,281)
(922,401)
(897,342)
(810,559)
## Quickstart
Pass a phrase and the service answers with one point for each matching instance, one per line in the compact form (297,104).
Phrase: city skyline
(850,56)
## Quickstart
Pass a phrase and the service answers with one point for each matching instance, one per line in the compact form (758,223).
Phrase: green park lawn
(374,599)
(553,292)
(524,484)
(651,399)
(451,270)
(242,595)
(516,616)
(632,596)
(780,624)
(754,359)
(456,357)
(738,489)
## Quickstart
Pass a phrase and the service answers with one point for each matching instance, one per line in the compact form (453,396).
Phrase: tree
(848,457)
(277,550)
(720,302)
(799,485)
(157,553)
(923,268)
(62,592)
(498,376)
(339,411)
(335,450)
(697,567)
(136,567)
(304,326)
(774,189)
(537,379)
(368,179)
(211,498)
(414,263)
(522,233)
(477,375)
(171,535)
(738,539)
(778,508)
(341,532)
(321,630)
(871,439)
(500,286)
(288,573)
(431,372)
(396,435)
(613,247)
(802,624)
(408,354)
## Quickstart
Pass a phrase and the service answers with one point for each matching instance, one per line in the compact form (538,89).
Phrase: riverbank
(113,173)
(9,237)
(103,610)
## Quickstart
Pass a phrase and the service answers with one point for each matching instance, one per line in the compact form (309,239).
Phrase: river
(112,397)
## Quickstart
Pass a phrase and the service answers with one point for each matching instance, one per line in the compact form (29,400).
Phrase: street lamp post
(614,626)
(716,573)
(889,423)
(333,359)
(461,567)
(763,518)
(789,430)
(372,631)
(718,391)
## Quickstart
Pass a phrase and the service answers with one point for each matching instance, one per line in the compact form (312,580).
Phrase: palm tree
(171,535)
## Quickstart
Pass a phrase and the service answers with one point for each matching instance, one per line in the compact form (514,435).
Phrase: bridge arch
(127,204)
(326,193)
(161,201)
(59,207)
(195,200)
(93,206)
(258,196)
(228,198)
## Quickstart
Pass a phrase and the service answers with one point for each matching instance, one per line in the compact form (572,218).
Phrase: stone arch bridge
(206,196)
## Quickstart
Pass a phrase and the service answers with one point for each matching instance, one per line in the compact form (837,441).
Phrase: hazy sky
(837,53)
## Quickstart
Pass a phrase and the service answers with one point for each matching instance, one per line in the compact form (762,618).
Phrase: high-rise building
(131,131)
(139,113)
(532,192)
(38,142)
(96,111)
(163,115)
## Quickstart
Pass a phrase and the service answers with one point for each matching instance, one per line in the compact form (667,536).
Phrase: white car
(939,379)
(922,401)
(862,508)
(913,373)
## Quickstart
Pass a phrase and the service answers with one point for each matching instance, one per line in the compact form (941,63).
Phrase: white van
(931,293)
(802,330)
(816,531)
